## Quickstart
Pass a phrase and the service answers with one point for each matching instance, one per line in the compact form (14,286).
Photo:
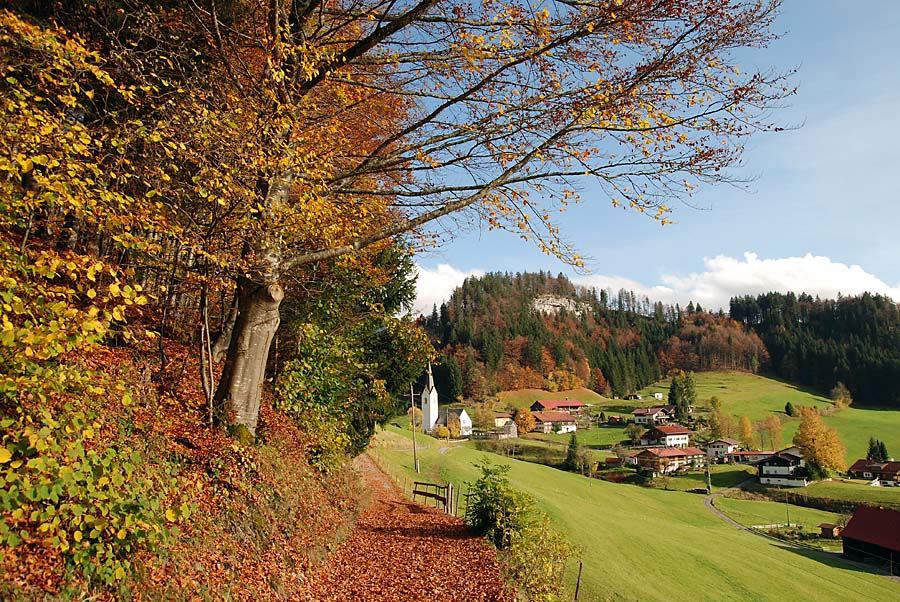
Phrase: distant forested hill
(854,340)
(507,331)
(511,331)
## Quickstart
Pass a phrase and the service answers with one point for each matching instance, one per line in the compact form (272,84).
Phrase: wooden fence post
(578,583)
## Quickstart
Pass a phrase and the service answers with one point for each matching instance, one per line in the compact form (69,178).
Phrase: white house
(673,435)
(429,404)
(653,415)
(786,468)
(658,396)
(501,419)
(720,447)
(448,414)
(554,422)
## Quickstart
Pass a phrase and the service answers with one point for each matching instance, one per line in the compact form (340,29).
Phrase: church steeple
(429,403)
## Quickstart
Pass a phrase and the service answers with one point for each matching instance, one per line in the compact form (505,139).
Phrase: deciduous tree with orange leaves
(284,134)
(821,447)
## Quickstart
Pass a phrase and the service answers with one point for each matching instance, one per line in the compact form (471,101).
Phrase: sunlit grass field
(644,544)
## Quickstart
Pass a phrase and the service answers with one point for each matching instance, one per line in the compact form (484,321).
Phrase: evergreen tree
(789,409)
(571,462)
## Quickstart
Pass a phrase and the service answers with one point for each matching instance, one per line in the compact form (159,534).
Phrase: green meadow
(741,394)
(644,544)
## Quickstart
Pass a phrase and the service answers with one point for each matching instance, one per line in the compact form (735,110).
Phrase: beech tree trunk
(240,386)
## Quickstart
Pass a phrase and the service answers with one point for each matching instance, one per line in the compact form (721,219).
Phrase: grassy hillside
(646,544)
(741,394)
(754,396)
(523,398)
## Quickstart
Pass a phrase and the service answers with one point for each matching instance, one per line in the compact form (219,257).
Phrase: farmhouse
(663,460)
(673,435)
(446,415)
(565,405)
(501,419)
(873,535)
(554,422)
(720,447)
(653,415)
(786,468)
(883,471)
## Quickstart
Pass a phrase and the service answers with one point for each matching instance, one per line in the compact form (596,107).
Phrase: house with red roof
(653,415)
(672,435)
(554,422)
(873,535)
(883,471)
(657,461)
(563,405)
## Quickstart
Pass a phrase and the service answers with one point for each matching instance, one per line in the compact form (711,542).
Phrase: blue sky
(821,216)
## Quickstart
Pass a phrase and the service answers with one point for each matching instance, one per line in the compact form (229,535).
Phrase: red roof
(673,452)
(672,429)
(878,526)
(502,415)
(553,417)
(879,467)
(566,403)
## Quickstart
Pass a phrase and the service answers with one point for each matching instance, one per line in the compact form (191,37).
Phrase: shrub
(96,507)
(495,509)
(534,556)
(441,432)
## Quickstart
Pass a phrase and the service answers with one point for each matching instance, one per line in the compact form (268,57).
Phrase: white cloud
(726,277)
(435,285)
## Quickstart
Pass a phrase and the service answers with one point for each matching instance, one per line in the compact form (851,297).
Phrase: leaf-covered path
(405,552)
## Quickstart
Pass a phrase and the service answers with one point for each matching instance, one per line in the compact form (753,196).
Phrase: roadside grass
(760,514)
(620,529)
(756,513)
(856,491)
(722,476)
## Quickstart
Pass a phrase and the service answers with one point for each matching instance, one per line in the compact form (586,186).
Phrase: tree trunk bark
(238,393)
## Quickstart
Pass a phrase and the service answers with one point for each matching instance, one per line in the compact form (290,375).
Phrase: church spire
(430,378)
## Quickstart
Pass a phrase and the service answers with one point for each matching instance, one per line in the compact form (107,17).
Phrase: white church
(433,417)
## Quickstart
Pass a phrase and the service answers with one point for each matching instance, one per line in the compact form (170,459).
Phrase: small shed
(829,531)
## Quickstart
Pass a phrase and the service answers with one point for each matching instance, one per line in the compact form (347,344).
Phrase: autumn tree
(746,433)
(821,447)
(524,420)
(311,131)
(770,426)
(633,432)
(414,415)
(841,396)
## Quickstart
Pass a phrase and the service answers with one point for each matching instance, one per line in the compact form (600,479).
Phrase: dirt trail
(405,552)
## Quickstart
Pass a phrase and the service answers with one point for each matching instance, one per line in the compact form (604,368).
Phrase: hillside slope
(651,545)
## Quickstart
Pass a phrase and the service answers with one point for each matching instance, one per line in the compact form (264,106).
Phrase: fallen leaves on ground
(401,551)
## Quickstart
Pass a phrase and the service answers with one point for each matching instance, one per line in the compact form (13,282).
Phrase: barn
(873,535)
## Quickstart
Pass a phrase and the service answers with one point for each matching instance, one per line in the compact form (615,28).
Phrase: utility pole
(708,478)
(412,407)
(787,508)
